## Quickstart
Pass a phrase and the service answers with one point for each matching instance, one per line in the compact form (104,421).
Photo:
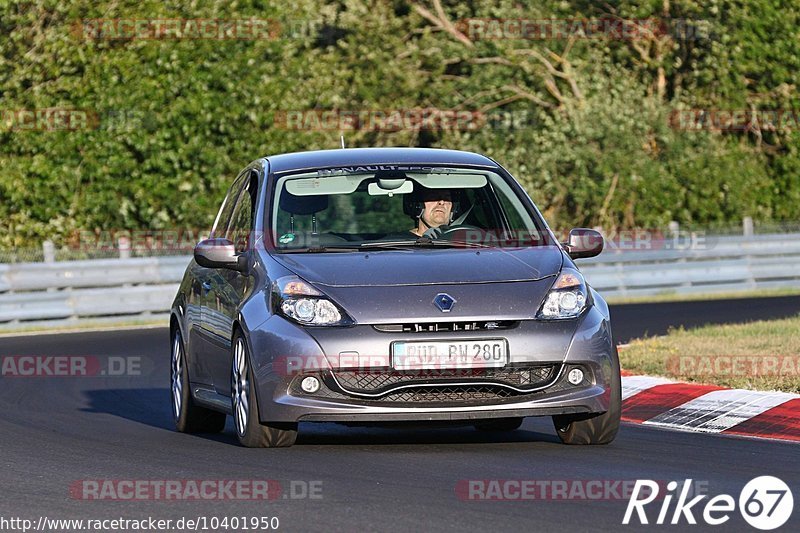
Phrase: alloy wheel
(241,388)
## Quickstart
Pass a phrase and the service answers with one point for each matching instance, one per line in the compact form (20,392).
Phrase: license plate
(485,353)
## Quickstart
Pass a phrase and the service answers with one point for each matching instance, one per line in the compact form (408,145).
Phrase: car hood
(391,286)
(391,268)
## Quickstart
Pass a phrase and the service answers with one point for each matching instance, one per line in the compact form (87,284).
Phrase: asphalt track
(56,431)
(638,320)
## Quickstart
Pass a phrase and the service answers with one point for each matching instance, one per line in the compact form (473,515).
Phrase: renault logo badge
(444,302)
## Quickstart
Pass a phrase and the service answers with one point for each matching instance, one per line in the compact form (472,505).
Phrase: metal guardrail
(113,289)
(723,264)
(71,291)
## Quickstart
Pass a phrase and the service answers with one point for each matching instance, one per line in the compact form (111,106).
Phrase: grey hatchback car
(376,285)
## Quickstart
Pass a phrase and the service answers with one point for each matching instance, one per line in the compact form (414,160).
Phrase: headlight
(567,298)
(297,300)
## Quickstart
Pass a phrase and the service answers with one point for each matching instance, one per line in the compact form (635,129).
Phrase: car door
(231,286)
(202,296)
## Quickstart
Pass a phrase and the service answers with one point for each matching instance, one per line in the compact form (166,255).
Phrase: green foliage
(177,119)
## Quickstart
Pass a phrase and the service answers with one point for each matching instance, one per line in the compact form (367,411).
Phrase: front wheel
(593,428)
(250,431)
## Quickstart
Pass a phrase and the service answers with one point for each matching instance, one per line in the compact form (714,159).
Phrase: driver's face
(438,206)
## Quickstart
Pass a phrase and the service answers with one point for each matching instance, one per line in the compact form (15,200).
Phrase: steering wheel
(461,227)
(447,231)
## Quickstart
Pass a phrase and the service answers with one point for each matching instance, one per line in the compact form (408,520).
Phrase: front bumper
(584,342)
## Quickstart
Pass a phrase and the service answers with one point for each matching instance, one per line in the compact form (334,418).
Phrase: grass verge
(675,297)
(84,325)
(762,355)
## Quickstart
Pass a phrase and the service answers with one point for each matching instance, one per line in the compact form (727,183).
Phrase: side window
(511,207)
(479,204)
(225,210)
(241,224)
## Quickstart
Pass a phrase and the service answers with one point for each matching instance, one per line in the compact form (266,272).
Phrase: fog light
(575,376)
(310,384)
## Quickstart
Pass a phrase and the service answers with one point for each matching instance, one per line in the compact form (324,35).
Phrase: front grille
(377,383)
(433,327)
(457,393)
(436,394)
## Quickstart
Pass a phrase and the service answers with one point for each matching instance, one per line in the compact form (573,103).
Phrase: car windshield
(399,207)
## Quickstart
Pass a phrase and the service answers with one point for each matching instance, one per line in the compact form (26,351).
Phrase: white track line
(632,385)
(719,410)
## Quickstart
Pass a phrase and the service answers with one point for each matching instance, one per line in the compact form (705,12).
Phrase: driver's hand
(435,233)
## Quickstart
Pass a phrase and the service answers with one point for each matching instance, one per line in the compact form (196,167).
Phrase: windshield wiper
(421,242)
(465,244)
(400,244)
(404,243)
(320,249)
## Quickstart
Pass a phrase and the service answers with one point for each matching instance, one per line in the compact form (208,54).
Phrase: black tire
(244,404)
(594,428)
(188,417)
(499,424)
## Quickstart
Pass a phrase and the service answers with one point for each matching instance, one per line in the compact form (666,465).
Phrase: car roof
(346,157)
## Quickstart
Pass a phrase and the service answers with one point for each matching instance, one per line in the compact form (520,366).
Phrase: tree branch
(442,22)
(530,96)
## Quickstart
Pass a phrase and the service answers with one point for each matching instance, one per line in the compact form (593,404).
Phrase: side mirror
(218,253)
(584,242)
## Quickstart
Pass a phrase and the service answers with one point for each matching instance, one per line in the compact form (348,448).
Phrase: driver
(437,210)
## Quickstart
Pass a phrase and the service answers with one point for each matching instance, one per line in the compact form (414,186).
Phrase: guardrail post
(747,226)
(124,248)
(49,250)
(675,230)
(748,232)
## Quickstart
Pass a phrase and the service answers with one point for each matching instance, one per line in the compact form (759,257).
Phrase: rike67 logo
(765,503)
